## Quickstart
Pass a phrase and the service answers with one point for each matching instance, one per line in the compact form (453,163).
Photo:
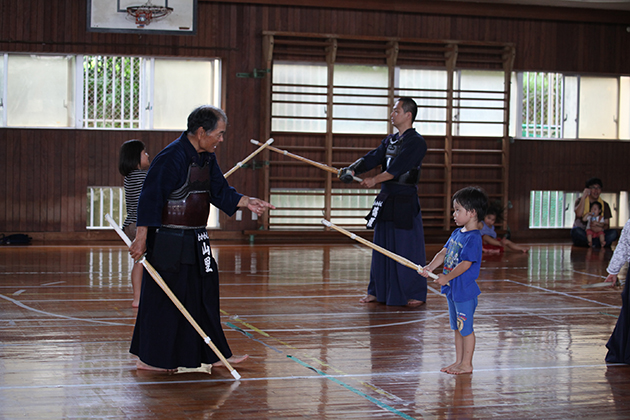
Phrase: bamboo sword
(402,260)
(158,279)
(303,159)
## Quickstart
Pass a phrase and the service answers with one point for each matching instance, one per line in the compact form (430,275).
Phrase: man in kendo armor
(182,182)
(395,216)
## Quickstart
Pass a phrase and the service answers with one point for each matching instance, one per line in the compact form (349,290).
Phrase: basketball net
(146,13)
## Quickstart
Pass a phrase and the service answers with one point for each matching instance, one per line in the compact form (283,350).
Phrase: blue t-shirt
(488,230)
(463,246)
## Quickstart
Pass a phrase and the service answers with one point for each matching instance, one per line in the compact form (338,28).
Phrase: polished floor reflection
(315,351)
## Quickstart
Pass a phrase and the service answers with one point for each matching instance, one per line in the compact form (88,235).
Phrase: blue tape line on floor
(248,335)
(350,388)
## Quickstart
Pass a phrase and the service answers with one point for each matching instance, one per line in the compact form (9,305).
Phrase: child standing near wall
(133,163)
(461,257)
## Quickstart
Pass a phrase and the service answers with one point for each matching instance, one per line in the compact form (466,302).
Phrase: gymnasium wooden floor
(315,351)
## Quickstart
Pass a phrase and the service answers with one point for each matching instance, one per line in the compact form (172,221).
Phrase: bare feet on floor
(457,369)
(445,369)
(413,303)
(140,365)
(232,360)
(135,303)
(368,299)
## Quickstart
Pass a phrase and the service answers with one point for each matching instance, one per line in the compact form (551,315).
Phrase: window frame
(145,98)
(622,121)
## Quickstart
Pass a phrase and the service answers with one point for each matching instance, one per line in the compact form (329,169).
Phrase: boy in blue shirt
(462,260)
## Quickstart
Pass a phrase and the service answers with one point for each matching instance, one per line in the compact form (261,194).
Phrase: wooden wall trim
(518,11)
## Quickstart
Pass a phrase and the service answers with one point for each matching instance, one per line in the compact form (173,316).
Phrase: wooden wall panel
(564,166)
(46,172)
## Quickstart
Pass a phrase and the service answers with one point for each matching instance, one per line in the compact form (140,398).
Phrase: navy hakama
(619,342)
(391,282)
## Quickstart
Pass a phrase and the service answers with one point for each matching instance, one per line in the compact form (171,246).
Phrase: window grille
(111,87)
(543,104)
(551,209)
(102,201)
(304,208)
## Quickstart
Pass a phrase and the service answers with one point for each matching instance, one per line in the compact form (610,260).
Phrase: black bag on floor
(15,239)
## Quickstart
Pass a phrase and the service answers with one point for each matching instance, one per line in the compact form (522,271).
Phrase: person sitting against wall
(590,195)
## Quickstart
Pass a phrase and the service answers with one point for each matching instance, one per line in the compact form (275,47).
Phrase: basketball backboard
(143,16)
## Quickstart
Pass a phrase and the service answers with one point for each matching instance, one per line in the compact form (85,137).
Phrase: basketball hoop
(146,13)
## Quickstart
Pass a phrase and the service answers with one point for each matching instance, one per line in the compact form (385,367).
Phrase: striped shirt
(133,187)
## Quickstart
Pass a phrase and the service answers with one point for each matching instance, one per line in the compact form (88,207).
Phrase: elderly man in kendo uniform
(396,216)
(182,182)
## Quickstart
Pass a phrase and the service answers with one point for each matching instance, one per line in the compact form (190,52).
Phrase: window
(556,209)
(179,87)
(111,92)
(360,99)
(479,103)
(39,91)
(428,87)
(360,106)
(557,106)
(542,105)
(299,99)
(302,208)
(102,201)
(598,107)
(104,91)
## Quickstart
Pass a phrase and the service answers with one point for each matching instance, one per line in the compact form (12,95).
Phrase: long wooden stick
(160,281)
(303,159)
(254,153)
(602,284)
(402,260)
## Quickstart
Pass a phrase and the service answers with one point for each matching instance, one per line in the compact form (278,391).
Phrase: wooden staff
(158,279)
(303,159)
(402,260)
(254,153)
(602,284)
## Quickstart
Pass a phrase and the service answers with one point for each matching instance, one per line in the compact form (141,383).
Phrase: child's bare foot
(445,369)
(460,370)
(368,299)
(140,365)
(603,243)
(234,360)
(135,303)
